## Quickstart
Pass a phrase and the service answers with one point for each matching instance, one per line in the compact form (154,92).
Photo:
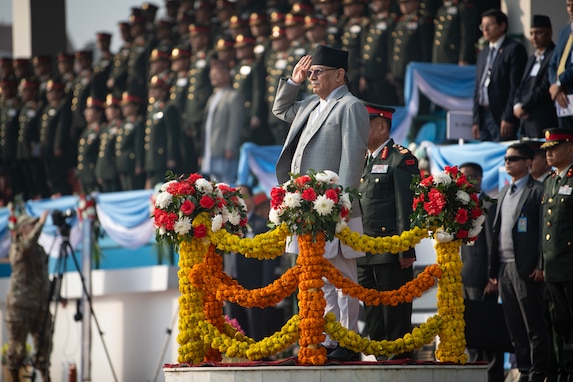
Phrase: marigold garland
(391,244)
(451,304)
(267,245)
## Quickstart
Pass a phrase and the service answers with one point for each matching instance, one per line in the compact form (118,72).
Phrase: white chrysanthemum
(327,176)
(163,200)
(162,231)
(478,222)
(234,218)
(292,200)
(441,178)
(463,196)
(203,185)
(182,226)
(345,198)
(225,214)
(217,223)
(274,217)
(323,205)
(340,225)
(242,204)
(473,232)
(165,185)
(443,236)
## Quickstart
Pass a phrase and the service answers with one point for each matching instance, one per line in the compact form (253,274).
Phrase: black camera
(60,217)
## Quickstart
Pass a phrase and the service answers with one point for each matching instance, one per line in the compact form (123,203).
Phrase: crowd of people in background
(70,123)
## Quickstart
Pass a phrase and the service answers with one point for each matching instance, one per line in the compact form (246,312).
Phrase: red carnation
(436,203)
(207,202)
(474,197)
(225,188)
(200,231)
(451,170)
(332,194)
(302,180)
(475,213)
(193,178)
(462,233)
(309,195)
(277,197)
(344,212)
(461,216)
(187,207)
(427,181)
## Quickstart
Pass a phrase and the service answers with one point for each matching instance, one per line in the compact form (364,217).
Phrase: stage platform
(368,372)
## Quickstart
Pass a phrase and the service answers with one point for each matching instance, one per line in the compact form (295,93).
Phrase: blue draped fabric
(128,209)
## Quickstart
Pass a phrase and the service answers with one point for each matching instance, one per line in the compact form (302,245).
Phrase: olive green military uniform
(455,33)
(88,149)
(119,70)
(105,168)
(386,207)
(137,66)
(276,69)
(80,92)
(129,154)
(375,58)
(101,72)
(352,34)
(9,113)
(55,123)
(161,141)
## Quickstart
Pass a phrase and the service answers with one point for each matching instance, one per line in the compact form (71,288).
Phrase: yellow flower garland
(267,245)
(392,244)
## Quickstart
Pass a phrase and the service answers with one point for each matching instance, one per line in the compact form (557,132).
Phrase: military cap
(202,4)
(375,110)
(55,84)
(224,44)
(159,82)
(316,20)
(327,56)
(42,59)
(277,18)
(21,61)
(159,55)
(6,61)
(177,53)
(11,82)
(540,21)
(111,100)
(236,22)
(127,98)
(301,8)
(103,36)
(149,7)
(123,25)
(292,19)
(95,103)
(257,19)
(221,4)
(164,23)
(83,54)
(64,56)
(244,40)
(555,136)
(29,83)
(195,29)
(277,32)
(350,2)
(136,19)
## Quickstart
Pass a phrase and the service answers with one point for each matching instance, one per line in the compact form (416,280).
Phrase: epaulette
(401,149)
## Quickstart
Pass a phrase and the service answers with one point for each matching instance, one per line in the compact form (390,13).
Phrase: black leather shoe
(344,355)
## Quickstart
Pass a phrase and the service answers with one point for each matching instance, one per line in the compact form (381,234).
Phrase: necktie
(486,77)
(556,184)
(512,188)
(564,55)
(370,159)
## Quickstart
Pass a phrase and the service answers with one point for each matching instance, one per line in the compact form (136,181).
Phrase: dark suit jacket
(475,257)
(533,93)
(506,73)
(526,244)
(566,77)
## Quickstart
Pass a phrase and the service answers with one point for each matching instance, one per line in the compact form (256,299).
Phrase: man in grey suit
(329,131)
(222,127)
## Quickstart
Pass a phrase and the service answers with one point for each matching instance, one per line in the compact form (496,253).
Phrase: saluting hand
(300,71)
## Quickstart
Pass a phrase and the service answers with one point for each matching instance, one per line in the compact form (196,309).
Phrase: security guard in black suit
(129,152)
(386,205)
(557,245)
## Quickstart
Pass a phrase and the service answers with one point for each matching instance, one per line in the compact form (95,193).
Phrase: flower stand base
(370,371)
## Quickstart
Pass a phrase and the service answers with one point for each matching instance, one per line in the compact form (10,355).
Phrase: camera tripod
(66,251)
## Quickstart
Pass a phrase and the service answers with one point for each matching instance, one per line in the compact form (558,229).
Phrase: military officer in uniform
(22,68)
(294,29)
(330,9)
(129,151)
(249,79)
(80,93)
(42,64)
(411,41)
(105,168)
(352,34)
(102,68)
(373,85)
(54,138)
(88,146)
(139,54)
(66,72)
(557,245)
(199,88)
(386,205)
(117,81)
(455,33)
(260,29)
(161,141)
(9,110)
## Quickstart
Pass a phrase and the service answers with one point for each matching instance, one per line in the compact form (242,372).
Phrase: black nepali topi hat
(327,56)
(541,21)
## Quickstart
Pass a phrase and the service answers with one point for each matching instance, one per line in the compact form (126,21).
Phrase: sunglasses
(514,158)
(319,71)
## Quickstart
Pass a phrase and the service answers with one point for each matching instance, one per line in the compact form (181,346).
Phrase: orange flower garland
(213,308)
(451,304)
(311,300)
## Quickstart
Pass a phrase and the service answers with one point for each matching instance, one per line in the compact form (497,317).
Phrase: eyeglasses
(319,71)
(514,158)
(486,27)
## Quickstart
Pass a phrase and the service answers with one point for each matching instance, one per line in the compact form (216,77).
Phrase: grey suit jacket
(227,123)
(336,141)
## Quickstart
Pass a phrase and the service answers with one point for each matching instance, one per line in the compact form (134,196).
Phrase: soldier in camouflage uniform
(88,146)
(456,33)
(352,32)
(129,152)
(105,168)
(27,302)
(375,49)
(55,138)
